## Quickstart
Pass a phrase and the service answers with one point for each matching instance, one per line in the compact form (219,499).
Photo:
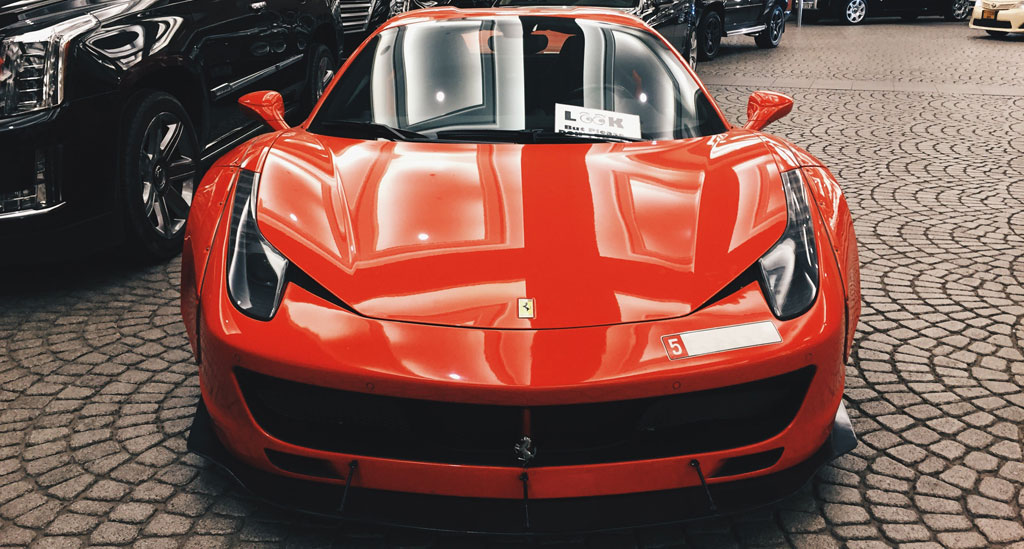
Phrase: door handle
(258,6)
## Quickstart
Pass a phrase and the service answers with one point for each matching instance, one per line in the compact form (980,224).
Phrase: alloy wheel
(692,54)
(777,22)
(711,32)
(324,74)
(961,8)
(168,169)
(856,10)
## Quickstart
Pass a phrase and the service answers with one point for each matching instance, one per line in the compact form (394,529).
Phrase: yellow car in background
(998,17)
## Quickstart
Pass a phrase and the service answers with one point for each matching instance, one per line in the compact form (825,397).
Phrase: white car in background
(998,17)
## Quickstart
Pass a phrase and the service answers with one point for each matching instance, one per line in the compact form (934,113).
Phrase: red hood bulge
(455,234)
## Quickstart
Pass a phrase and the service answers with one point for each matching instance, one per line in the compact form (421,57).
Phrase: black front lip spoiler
(506,516)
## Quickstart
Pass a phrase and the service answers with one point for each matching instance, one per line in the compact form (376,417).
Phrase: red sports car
(517,272)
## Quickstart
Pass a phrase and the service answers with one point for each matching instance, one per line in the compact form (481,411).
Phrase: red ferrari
(515,273)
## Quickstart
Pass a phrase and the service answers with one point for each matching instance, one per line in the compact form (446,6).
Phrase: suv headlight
(32,66)
(402,6)
(789,271)
(256,270)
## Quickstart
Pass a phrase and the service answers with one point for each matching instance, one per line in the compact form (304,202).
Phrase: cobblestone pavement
(928,51)
(97,384)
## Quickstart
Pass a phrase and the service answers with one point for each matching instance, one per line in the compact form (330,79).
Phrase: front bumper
(463,514)
(76,145)
(1007,20)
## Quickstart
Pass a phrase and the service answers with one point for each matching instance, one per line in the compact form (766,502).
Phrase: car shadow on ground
(58,277)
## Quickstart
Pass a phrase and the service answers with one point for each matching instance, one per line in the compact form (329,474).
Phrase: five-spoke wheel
(772,34)
(709,35)
(159,171)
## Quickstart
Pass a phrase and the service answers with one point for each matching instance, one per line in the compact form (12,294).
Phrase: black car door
(234,48)
(288,37)
(743,14)
(897,6)
(676,21)
(668,18)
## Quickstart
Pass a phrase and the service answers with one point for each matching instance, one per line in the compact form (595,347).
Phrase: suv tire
(691,49)
(709,35)
(322,69)
(158,174)
(772,34)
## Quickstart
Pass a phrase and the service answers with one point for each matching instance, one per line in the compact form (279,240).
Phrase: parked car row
(694,27)
(853,12)
(111,110)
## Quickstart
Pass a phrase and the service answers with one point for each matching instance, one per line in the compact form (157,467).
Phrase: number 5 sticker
(674,346)
(721,339)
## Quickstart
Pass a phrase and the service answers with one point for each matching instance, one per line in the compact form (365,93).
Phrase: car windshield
(525,79)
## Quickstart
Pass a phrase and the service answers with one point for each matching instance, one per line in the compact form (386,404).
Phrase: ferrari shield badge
(527,308)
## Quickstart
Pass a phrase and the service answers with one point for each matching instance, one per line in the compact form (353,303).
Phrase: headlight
(256,270)
(789,271)
(32,66)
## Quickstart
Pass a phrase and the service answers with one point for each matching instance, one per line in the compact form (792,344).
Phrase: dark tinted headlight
(789,270)
(256,270)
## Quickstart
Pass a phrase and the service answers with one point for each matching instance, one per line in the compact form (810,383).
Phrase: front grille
(354,15)
(477,434)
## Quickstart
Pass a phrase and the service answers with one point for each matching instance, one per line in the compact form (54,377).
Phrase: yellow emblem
(527,308)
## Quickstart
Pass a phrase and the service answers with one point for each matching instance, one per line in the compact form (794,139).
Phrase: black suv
(765,20)
(111,109)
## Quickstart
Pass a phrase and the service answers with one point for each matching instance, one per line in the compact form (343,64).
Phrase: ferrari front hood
(458,234)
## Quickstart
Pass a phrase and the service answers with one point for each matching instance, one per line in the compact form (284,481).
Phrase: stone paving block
(98,383)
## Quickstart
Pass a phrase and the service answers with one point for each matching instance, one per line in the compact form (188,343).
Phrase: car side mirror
(267,106)
(765,107)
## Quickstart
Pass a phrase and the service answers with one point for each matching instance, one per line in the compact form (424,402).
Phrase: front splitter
(514,516)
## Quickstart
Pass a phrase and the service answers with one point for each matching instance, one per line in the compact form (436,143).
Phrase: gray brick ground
(97,384)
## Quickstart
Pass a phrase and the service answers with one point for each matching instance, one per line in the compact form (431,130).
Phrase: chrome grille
(354,15)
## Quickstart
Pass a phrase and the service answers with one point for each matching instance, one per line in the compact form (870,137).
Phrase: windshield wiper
(367,130)
(529,136)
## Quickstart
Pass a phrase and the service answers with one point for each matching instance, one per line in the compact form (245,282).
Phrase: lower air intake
(474,434)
